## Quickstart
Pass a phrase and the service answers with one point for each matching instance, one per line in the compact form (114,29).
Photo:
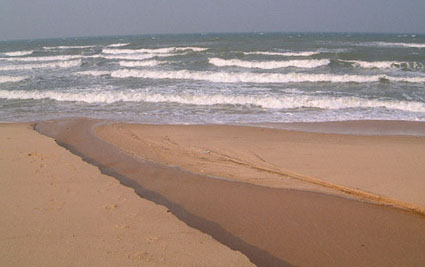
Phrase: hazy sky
(62,18)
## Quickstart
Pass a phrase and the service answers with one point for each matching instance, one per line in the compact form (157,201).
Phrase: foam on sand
(313,63)
(233,77)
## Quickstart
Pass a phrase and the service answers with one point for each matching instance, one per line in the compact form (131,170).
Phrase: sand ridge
(384,169)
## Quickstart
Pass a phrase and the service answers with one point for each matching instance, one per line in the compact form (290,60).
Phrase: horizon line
(206,33)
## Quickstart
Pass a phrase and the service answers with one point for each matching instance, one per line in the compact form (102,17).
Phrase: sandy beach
(60,211)
(257,190)
(385,166)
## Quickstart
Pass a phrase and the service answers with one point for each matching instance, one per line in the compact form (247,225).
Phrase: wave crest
(313,63)
(267,102)
(165,50)
(229,77)
(46,58)
(148,63)
(118,45)
(7,79)
(68,47)
(386,64)
(19,53)
(286,54)
(64,64)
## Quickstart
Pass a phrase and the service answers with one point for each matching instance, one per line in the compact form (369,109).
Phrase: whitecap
(244,77)
(147,63)
(267,102)
(286,54)
(62,64)
(118,45)
(313,63)
(19,53)
(7,79)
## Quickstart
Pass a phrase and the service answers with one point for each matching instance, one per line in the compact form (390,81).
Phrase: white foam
(46,58)
(63,64)
(389,44)
(129,57)
(93,73)
(194,49)
(137,51)
(118,45)
(386,64)
(313,63)
(267,102)
(286,54)
(148,63)
(7,79)
(19,53)
(229,77)
(68,47)
(165,50)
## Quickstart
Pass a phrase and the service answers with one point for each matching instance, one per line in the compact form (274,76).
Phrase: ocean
(215,78)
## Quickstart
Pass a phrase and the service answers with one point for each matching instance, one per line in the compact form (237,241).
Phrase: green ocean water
(215,78)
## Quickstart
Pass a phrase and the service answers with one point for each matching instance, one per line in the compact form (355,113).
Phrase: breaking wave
(386,64)
(267,102)
(46,58)
(19,53)
(129,57)
(68,47)
(118,45)
(390,44)
(286,54)
(229,77)
(11,79)
(313,63)
(148,63)
(65,64)
(93,73)
(152,51)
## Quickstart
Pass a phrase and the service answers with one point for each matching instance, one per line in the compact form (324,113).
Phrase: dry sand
(57,210)
(272,226)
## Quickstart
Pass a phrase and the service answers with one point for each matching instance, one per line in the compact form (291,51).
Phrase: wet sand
(57,210)
(272,226)
(384,169)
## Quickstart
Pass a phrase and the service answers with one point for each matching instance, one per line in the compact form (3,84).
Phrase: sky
(28,19)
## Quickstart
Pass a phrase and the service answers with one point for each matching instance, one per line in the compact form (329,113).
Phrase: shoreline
(156,184)
(247,152)
(58,210)
(345,127)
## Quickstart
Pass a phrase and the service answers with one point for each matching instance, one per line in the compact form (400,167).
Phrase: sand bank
(57,210)
(386,166)
(272,226)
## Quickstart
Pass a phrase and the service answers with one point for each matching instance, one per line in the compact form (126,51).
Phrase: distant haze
(21,19)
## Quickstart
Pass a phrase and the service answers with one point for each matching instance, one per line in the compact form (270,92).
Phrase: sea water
(215,78)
